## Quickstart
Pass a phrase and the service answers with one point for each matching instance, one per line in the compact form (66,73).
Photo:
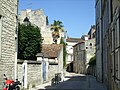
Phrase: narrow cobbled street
(76,81)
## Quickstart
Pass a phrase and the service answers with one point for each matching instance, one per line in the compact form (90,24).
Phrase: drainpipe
(16,38)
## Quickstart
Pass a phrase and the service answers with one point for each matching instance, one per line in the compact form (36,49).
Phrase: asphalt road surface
(78,81)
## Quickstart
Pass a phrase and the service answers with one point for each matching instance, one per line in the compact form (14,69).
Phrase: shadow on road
(65,84)
(73,82)
(76,78)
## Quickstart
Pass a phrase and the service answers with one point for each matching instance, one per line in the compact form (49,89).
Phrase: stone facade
(52,70)
(90,50)
(108,42)
(79,57)
(99,62)
(8,23)
(84,51)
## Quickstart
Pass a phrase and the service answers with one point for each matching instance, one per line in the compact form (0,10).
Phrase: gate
(24,75)
(44,70)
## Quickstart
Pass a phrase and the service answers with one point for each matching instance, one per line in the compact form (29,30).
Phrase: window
(110,11)
(113,39)
(113,64)
(116,45)
(90,44)
(116,64)
(117,29)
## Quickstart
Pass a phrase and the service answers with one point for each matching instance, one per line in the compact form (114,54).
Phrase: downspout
(16,38)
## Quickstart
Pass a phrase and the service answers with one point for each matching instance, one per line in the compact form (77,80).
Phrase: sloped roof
(52,50)
(74,40)
(79,43)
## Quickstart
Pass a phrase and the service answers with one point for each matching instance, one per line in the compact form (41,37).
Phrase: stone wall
(19,73)
(90,51)
(52,69)
(8,9)
(32,74)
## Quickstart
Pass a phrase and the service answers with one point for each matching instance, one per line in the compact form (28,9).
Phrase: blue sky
(77,15)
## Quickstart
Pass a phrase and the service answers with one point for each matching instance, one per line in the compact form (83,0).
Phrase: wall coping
(34,62)
(28,61)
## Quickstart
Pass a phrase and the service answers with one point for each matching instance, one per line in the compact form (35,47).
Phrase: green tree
(56,27)
(64,51)
(92,61)
(29,42)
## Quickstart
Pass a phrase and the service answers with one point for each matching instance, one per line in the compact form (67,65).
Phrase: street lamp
(26,21)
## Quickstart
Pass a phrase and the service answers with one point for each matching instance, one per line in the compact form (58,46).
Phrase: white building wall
(69,49)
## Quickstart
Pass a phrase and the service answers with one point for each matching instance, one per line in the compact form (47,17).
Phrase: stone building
(79,57)
(8,25)
(38,18)
(84,51)
(108,42)
(69,48)
(92,32)
(90,50)
(99,62)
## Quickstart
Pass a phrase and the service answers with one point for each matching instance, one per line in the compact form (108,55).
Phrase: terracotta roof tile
(51,50)
(74,40)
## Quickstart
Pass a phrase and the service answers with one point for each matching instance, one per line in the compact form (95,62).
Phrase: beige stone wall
(90,51)
(9,11)
(34,73)
(51,71)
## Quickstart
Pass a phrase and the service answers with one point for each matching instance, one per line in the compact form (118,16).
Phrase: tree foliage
(29,42)
(64,51)
(92,61)
(56,27)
